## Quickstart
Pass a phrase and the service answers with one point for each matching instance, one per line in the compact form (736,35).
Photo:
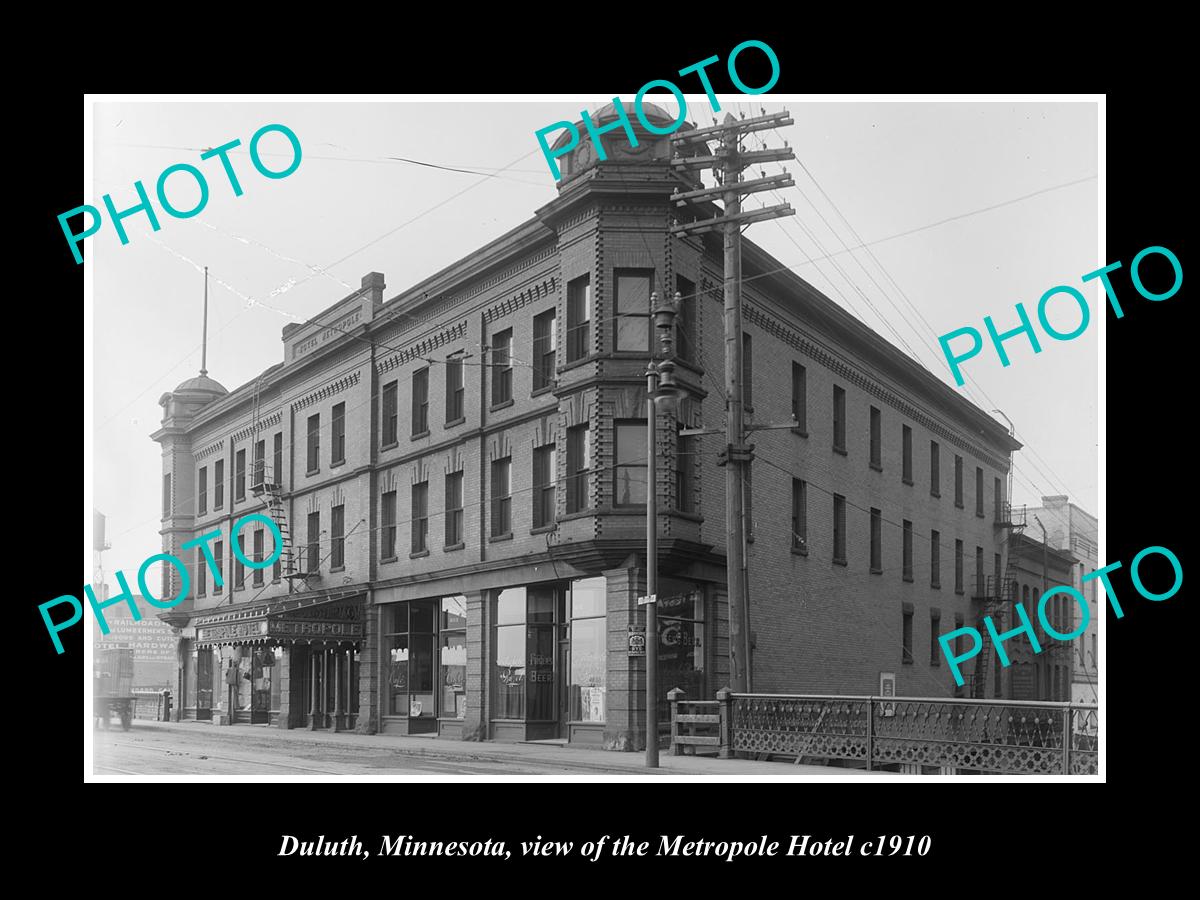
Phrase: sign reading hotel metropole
(147,207)
(1026,327)
(622,120)
(203,542)
(1026,627)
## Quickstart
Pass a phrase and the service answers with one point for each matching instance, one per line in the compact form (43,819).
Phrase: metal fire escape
(266,482)
(995,598)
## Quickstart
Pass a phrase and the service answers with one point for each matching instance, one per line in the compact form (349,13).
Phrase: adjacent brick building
(460,474)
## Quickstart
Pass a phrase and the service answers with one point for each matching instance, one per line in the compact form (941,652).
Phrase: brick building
(1072,528)
(459,472)
(1035,569)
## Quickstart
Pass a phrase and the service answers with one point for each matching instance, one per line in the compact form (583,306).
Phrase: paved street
(153,749)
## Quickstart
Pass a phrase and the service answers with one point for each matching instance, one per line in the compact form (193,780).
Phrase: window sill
(337,569)
(979,515)
(241,499)
(388,559)
(937,494)
(542,390)
(239,587)
(958,504)
(908,481)
(908,579)
(800,431)
(218,507)
(416,436)
(452,547)
(840,451)
(685,514)
(906,662)
(497,538)
(276,581)
(959,591)
(799,551)
(390,445)
(877,467)
(201,596)
(542,529)
(336,463)
(839,562)
(312,472)
(503,404)
(576,363)
(875,571)
(452,422)
(578,514)
(417,554)
(935,585)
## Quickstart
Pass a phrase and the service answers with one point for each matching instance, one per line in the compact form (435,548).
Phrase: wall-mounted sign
(887,688)
(637,640)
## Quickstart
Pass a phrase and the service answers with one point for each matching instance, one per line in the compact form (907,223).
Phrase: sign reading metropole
(126,595)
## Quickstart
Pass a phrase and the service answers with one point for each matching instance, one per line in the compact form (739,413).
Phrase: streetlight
(660,385)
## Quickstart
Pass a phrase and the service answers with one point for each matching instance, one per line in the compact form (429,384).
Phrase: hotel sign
(342,622)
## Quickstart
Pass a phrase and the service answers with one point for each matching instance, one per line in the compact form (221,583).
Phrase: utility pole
(728,163)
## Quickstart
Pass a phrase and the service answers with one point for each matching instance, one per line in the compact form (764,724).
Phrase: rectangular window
(747,372)
(420,517)
(452,664)
(998,498)
(876,439)
(502,367)
(908,550)
(907,652)
(800,396)
(958,481)
(166,496)
(579,318)
(839,529)
(589,648)
(979,491)
(935,628)
(545,346)
(313,561)
(454,509)
(629,471)
(412,648)
(579,461)
(839,419)
(685,319)
(275,476)
(391,416)
(935,470)
(314,444)
(501,497)
(685,471)
(799,516)
(876,541)
(219,566)
(543,486)
(631,326)
(337,538)
(258,556)
(935,559)
(337,451)
(258,472)
(219,484)
(420,402)
(906,446)
(239,475)
(202,491)
(387,514)
(980,577)
(958,567)
(454,390)
(239,570)
(201,574)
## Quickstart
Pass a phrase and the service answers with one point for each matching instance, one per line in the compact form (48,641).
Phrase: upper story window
(420,401)
(907,466)
(876,439)
(257,473)
(239,475)
(935,469)
(545,344)
(685,320)
(579,318)
(454,389)
(202,491)
(276,473)
(958,481)
(978,491)
(629,472)
(314,443)
(800,396)
(338,450)
(579,464)
(420,517)
(839,419)
(543,486)
(502,367)
(219,484)
(337,531)
(502,497)
(390,415)
(631,324)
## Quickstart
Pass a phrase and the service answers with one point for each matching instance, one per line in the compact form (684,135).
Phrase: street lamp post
(660,385)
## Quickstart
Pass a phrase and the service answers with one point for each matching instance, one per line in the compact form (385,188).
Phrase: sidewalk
(586,760)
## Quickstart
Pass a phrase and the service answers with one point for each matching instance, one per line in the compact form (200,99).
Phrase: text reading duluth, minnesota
(799,845)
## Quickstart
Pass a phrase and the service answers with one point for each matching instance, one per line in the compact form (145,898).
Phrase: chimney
(373,282)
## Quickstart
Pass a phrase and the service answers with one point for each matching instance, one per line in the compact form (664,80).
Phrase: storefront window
(588,649)
(526,623)
(410,646)
(680,642)
(204,678)
(453,663)
(276,683)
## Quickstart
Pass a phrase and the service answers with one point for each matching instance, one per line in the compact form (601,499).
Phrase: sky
(965,208)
